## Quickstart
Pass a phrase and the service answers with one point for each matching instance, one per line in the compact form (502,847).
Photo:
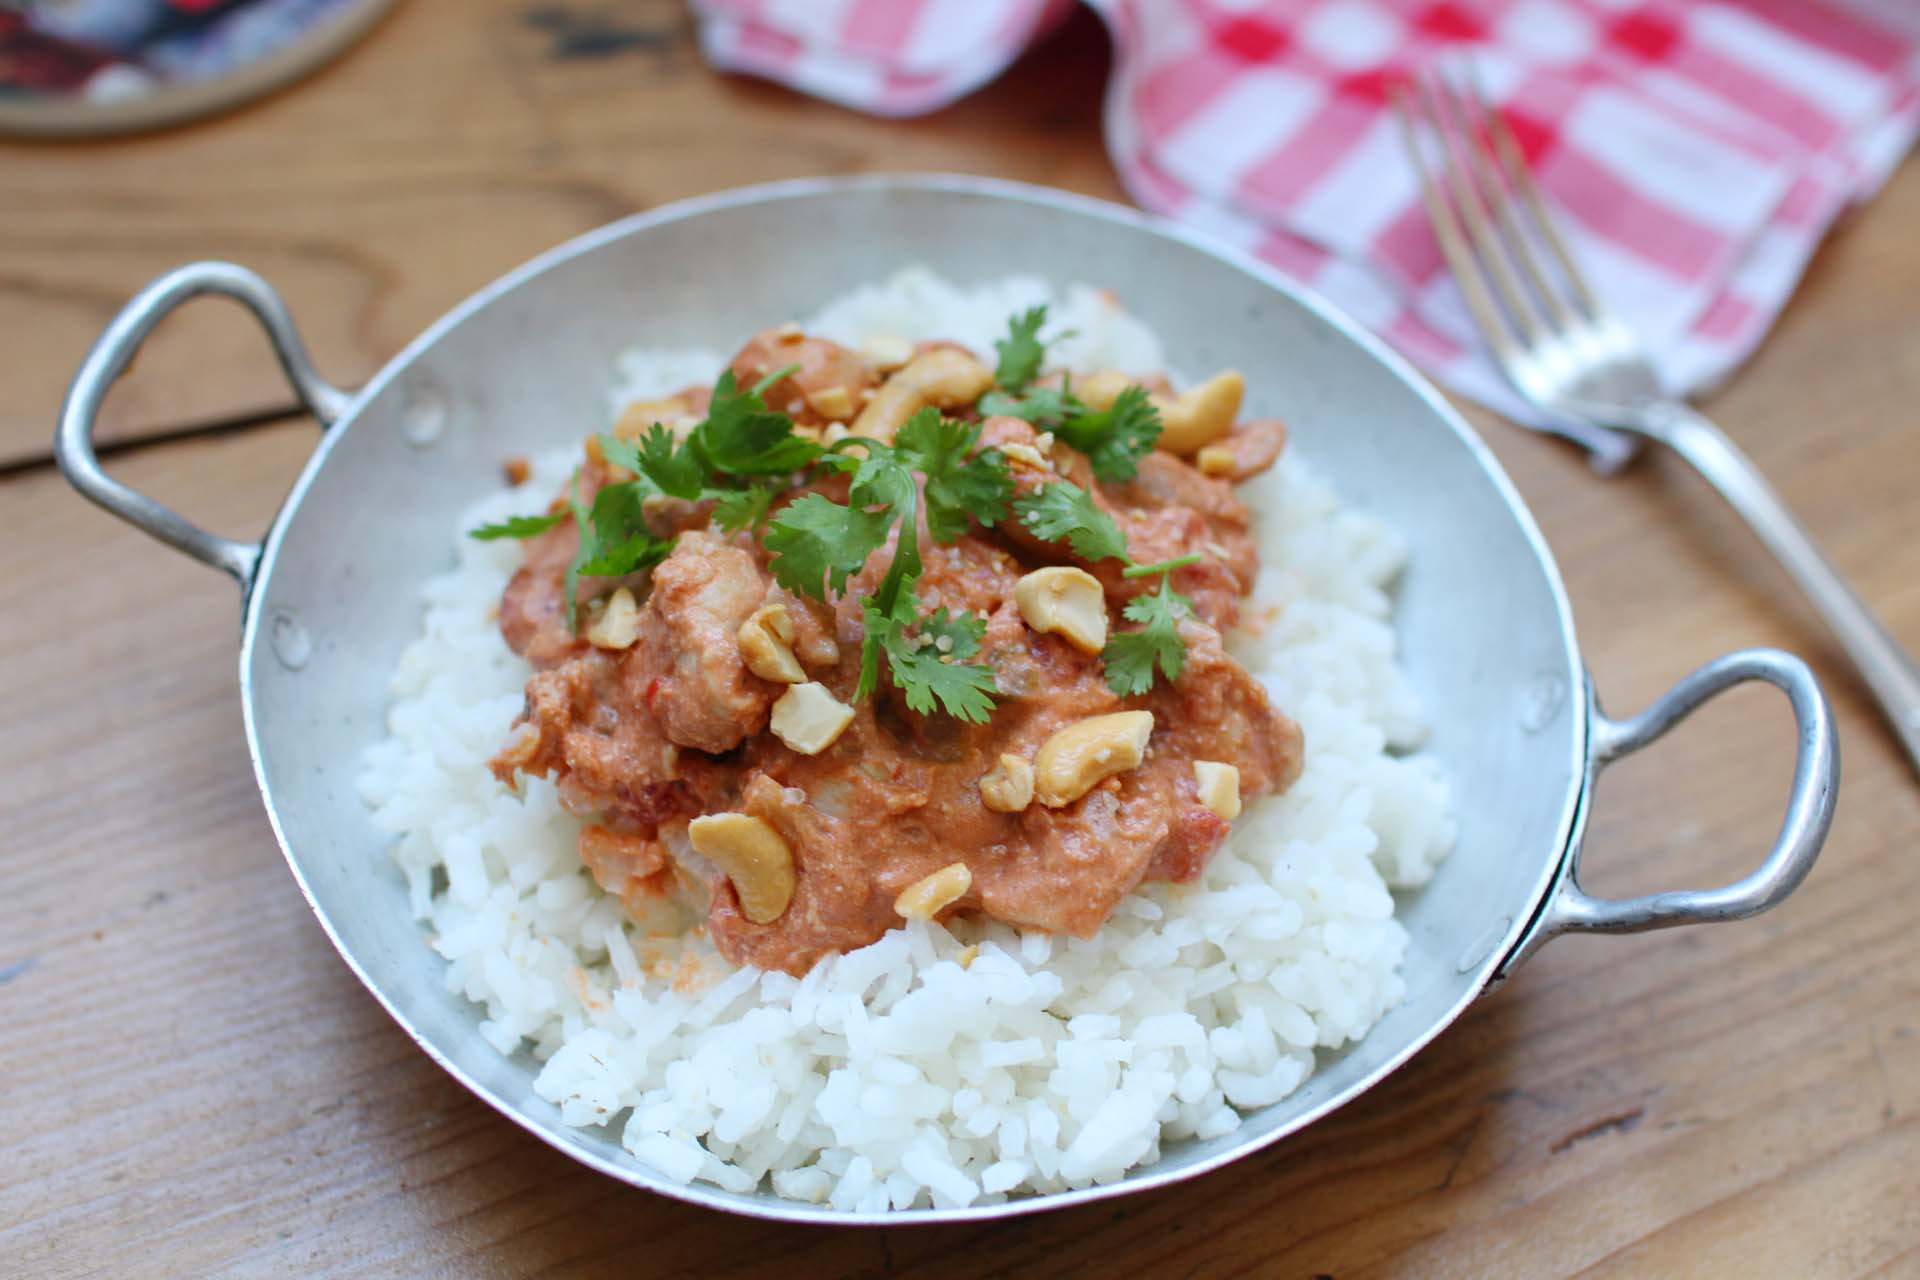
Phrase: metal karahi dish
(1485,631)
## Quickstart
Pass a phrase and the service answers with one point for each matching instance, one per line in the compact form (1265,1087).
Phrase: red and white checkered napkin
(1698,149)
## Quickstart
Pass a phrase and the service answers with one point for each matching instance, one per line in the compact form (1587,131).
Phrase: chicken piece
(1253,447)
(687,669)
(829,386)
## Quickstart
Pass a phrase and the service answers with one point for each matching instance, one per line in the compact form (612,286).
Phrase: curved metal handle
(1816,781)
(1890,673)
(114,351)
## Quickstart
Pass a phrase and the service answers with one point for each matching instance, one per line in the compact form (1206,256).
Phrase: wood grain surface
(194,1084)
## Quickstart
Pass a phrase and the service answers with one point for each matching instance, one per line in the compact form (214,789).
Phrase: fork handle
(1889,671)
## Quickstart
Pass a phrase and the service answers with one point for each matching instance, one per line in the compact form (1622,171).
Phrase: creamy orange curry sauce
(704,718)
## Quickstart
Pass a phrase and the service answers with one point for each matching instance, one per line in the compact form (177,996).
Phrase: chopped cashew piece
(1021,454)
(1098,391)
(1079,757)
(642,414)
(618,625)
(942,377)
(753,855)
(885,352)
(1067,602)
(1199,415)
(1008,786)
(1219,787)
(766,645)
(807,717)
(832,402)
(929,896)
(1216,460)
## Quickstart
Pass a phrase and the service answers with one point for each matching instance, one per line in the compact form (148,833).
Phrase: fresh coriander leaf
(963,690)
(932,678)
(955,635)
(622,543)
(815,540)
(1064,510)
(1115,439)
(881,479)
(1021,351)
(670,464)
(962,486)
(741,436)
(737,509)
(1042,406)
(642,551)
(1131,656)
(517,527)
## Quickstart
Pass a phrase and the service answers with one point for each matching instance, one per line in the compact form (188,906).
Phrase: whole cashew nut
(1079,757)
(755,858)
(943,377)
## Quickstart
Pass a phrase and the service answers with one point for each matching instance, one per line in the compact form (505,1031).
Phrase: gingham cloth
(1697,149)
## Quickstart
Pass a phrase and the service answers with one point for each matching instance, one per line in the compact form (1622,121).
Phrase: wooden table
(194,1084)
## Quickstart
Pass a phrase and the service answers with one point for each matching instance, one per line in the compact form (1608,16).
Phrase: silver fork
(1568,356)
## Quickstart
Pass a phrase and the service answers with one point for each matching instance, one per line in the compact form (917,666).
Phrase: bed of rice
(896,1076)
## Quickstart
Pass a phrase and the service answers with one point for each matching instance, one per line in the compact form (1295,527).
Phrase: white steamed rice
(894,1076)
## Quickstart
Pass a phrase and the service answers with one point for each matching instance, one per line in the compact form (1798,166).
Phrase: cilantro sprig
(517,527)
(730,459)
(1063,510)
(1114,439)
(1131,656)
(1021,351)
(744,455)
(817,544)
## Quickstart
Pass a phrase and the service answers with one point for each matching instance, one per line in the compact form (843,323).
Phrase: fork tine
(1492,251)
(1521,178)
(1454,246)
(1485,175)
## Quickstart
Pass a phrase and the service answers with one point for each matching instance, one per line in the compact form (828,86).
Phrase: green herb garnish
(517,527)
(1065,510)
(1131,656)
(1021,351)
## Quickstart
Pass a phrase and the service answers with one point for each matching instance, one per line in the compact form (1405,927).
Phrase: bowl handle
(1816,781)
(114,351)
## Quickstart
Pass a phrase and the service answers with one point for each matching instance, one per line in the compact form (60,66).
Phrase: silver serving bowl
(332,591)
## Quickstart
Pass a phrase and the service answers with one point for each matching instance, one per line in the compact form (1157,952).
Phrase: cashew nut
(1219,787)
(618,625)
(942,377)
(930,895)
(766,645)
(753,855)
(1196,417)
(1067,602)
(1216,460)
(640,415)
(1081,756)
(808,718)
(832,402)
(885,352)
(1098,391)
(1008,786)
(1021,454)
(1199,415)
